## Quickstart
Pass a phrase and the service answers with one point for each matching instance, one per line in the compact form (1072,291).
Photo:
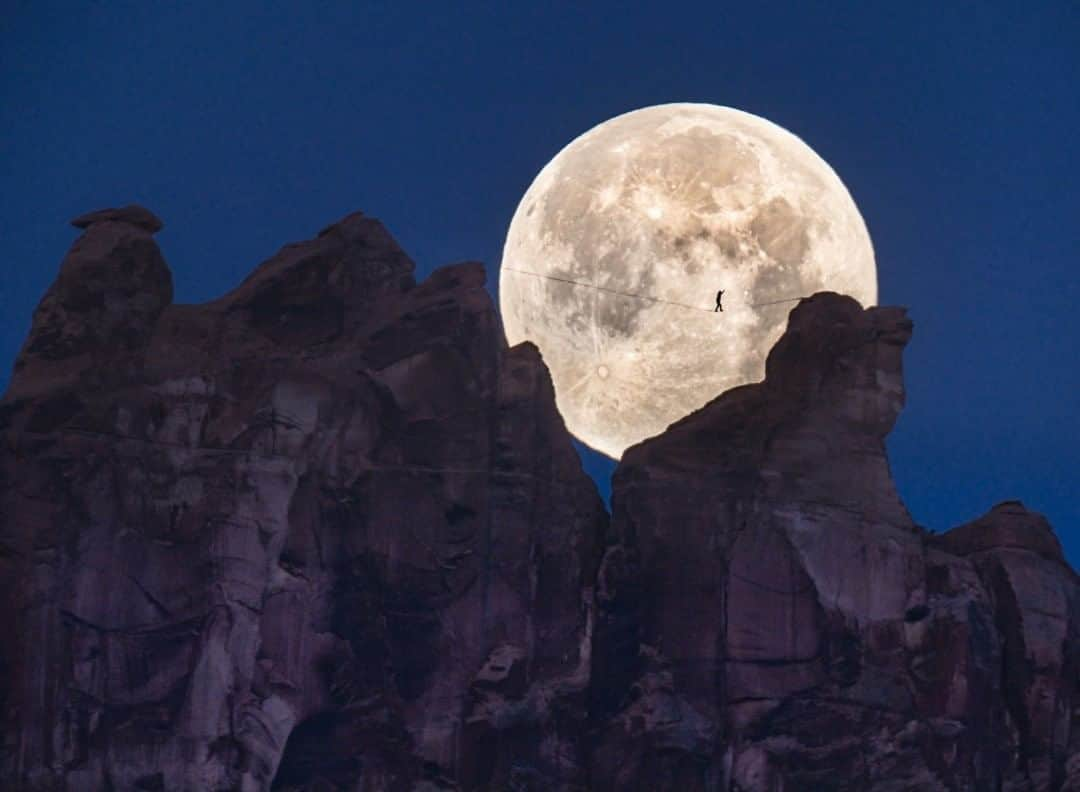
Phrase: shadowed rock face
(795,629)
(328,533)
(327,527)
(1036,605)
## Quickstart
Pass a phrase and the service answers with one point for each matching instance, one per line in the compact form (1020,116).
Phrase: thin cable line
(773,302)
(642,296)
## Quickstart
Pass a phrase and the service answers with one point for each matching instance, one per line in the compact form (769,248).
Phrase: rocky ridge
(329,532)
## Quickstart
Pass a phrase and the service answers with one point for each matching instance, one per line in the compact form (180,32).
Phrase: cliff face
(328,532)
(327,526)
(796,629)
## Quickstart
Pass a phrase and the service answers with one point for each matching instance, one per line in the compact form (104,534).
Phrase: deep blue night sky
(249,125)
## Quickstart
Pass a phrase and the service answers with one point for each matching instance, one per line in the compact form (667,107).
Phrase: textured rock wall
(328,532)
(795,629)
(326,527)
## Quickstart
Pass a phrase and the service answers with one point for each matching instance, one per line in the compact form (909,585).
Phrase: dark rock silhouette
(329,532)
(798,630)
(132,214)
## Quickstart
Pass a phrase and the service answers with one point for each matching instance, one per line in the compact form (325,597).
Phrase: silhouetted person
(719,297)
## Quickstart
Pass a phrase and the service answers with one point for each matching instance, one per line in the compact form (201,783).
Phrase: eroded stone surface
(1037,613)
(282,535)
(328,533)
(763,555)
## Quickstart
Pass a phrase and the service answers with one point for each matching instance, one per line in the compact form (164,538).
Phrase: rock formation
(795,629)
(325,527)
(329,532)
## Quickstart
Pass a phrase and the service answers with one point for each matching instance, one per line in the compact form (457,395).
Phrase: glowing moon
(616,252)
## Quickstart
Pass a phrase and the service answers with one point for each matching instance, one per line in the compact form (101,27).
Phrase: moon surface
(615,254)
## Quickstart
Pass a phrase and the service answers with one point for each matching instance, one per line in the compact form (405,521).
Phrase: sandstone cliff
(323,527)
(329,532)
(795,629)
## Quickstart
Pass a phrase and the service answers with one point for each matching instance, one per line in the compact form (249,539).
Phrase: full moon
(616,253)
